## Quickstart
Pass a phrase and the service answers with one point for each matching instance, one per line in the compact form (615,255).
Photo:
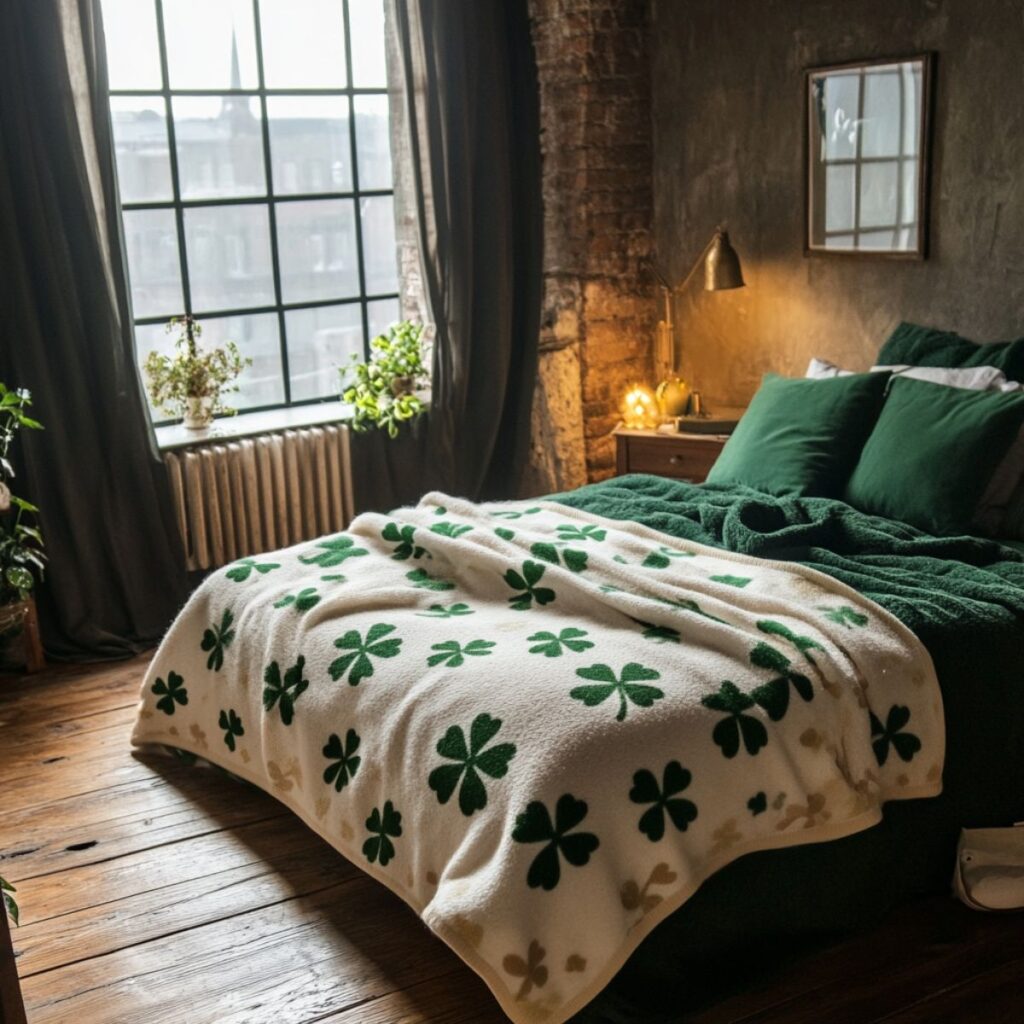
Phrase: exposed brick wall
(599,304)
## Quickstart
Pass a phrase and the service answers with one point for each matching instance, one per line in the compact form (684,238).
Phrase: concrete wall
(728,146)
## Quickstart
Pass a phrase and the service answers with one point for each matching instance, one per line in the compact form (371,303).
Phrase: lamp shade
(722,265)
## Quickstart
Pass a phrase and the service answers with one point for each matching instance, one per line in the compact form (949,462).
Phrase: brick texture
(599,303)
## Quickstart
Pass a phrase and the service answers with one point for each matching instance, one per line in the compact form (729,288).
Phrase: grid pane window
(253,152)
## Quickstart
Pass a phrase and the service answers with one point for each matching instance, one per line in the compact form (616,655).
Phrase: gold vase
(673,396)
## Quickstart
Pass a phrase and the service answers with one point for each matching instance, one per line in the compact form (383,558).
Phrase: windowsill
(251,424)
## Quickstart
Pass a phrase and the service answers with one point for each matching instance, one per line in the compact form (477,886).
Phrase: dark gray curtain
(471,123)
(116,573)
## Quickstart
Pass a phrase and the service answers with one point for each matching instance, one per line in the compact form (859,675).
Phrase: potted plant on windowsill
(21,556)
(193,382)
(383,389)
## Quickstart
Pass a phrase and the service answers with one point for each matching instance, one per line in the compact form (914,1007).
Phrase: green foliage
(534,825)
(470,759)
(382,389)
(10,904)
(192,372)
(21,556)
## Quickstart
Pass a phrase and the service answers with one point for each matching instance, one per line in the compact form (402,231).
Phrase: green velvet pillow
(801,436)
(932,453)
(913,345)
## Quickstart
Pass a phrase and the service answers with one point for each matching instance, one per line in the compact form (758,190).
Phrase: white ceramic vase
(198,413)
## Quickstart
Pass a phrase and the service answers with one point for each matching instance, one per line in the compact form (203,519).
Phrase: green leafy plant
(10,904)
(21,556)
(382,388)
(193,372)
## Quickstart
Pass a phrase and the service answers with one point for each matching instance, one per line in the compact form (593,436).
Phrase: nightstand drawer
(676,457)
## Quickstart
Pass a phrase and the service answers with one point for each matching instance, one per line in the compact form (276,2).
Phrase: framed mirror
(868,125)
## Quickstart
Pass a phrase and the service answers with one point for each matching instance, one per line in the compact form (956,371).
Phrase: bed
(854,700)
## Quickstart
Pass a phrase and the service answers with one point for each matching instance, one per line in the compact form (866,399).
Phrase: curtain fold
(116,574)
(471,132)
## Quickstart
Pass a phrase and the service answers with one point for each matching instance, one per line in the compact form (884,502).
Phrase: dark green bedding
(964,598)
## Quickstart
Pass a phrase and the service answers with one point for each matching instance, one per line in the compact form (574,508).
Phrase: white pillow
(820,369)
(973,378)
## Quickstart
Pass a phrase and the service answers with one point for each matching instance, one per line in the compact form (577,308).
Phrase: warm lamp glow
(639,408)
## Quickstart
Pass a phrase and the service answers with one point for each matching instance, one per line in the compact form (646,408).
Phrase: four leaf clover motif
(572,532)
(664,800)
(527,583)
(661,558)
(440,611)
(345,761)
(470,760)
(284,693)
(731,581)
(170,693)
(232,726)
(217,639)
(574,561)
(804,644)
(846,616)
(453,654)
(362,652)
(534,825)
(661,634)
(422,579)
(241,570)
(532,970)
(453,530)
(305,599)
(892,734)
(332,551)
(773,696)
(404,539)
(383,826)
(731,700)
(630,686)
(551,644)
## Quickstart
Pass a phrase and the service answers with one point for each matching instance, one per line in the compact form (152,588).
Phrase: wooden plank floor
(152,893)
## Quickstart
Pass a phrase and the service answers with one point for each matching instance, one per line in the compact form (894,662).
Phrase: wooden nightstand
(686,457)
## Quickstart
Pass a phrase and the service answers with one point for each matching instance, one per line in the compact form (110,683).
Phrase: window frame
(269,200)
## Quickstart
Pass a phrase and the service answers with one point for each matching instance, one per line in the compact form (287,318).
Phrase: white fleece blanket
(544,729)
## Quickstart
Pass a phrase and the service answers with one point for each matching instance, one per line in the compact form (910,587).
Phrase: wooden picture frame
(867,157)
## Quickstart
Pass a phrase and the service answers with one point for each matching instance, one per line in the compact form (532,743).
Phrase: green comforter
(964,598)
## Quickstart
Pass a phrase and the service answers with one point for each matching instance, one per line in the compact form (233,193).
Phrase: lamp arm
(697,262)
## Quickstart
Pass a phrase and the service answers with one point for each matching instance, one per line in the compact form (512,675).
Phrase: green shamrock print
(217,639)
(758,803)
(846,616)
(333,551)
(171,693)
(534,825)
(361,652)
(804,644)
(662,557)
(422,579)
(382,826)
(727,734)
(439,611)
(453,654)
(343,758)
(686,605)
(470,760)
(731,581)
(892,734)
(232,726)
(284,693)
(508,514)
(402,536)
(570,532)
(664,799)
(527,583)
(773,696)
(660,634)
(550,644)
(574,561)
(630,687)
(243,569)
(302,601)
(503,533)
(440,511)
(452,530)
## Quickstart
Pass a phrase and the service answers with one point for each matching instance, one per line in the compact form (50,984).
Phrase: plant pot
(401,386)
(12,616)
(198,412)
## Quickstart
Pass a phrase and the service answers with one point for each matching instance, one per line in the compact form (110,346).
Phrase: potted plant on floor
(21,545)
(192,383)
(383,389)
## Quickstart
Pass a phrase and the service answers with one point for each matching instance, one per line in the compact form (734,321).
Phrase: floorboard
(155,893)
